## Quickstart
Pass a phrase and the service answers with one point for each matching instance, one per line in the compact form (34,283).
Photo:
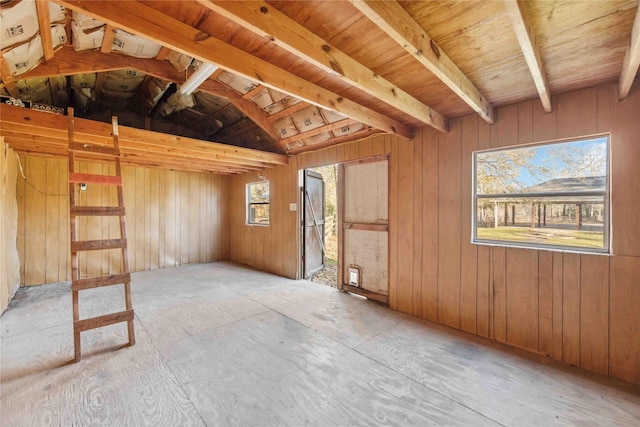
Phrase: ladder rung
(96,245)
(95,179)
(107,319)
(96,282)
(97,210)
(96,149)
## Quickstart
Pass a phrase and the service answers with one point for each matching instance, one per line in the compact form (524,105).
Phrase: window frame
(606,194)
(249,204)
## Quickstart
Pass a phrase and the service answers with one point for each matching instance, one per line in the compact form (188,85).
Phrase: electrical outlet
(83,186)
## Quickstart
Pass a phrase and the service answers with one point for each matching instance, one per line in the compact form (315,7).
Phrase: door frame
(340,228)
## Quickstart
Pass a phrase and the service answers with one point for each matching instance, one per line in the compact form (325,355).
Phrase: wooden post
(506,214)
(578,216)
(539,215)
(544,215)
(533,215)
(513,214)
(495,215)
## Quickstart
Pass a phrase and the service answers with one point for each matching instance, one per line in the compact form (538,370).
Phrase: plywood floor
(220,344)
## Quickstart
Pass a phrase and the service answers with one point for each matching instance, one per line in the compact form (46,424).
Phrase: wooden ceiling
(368,66)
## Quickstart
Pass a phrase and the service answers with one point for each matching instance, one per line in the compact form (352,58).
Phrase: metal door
(313,223)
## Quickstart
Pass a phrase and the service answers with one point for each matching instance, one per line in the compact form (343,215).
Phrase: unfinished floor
(220,344)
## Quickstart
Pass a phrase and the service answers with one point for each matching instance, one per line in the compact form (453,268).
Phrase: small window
(553,195)
(258,203)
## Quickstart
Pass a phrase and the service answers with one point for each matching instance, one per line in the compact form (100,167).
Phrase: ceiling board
(581,43)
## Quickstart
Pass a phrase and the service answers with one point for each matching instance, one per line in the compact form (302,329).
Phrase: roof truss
(137,18)
(68,62)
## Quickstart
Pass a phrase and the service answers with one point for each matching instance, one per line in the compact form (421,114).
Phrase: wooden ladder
(77,284)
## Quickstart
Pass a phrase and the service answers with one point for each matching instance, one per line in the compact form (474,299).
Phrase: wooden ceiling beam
(44,21)
(21,119)
(138,18)
(631,60)
(519,16)
(391,18)
(266,21)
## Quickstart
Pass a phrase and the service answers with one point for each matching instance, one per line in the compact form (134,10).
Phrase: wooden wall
(173,218)
(269,248)
(579,309)
(275,248)
(9,265)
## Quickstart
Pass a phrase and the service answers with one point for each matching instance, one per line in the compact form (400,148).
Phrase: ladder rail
(123,231)
(75,273)
(76,246)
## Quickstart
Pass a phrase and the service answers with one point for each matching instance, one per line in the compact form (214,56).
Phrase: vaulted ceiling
(293,76)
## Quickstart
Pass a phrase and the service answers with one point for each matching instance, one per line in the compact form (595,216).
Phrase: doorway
(319,221)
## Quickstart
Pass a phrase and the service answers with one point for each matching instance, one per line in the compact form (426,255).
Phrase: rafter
(249,108)
(137,18)
(391,17)
(162,55)
(8,80)
(107,40)
(631,60)
(364,133)
(69,62)
(519,16)
(44,21)
(265,20)
(287,111)
(318,130)
(253,92)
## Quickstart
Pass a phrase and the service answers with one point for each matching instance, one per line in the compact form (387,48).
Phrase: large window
(258,203)
(553,195)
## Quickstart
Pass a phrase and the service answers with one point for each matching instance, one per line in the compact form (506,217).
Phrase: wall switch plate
(293,207)
(83,186)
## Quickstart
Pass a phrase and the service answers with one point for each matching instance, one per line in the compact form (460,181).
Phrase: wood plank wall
(268,248)
(579,309)
(173,218)
(9,264)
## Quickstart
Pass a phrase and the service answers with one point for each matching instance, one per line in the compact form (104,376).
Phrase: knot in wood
(202,36)
(264,9)
(434,48)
